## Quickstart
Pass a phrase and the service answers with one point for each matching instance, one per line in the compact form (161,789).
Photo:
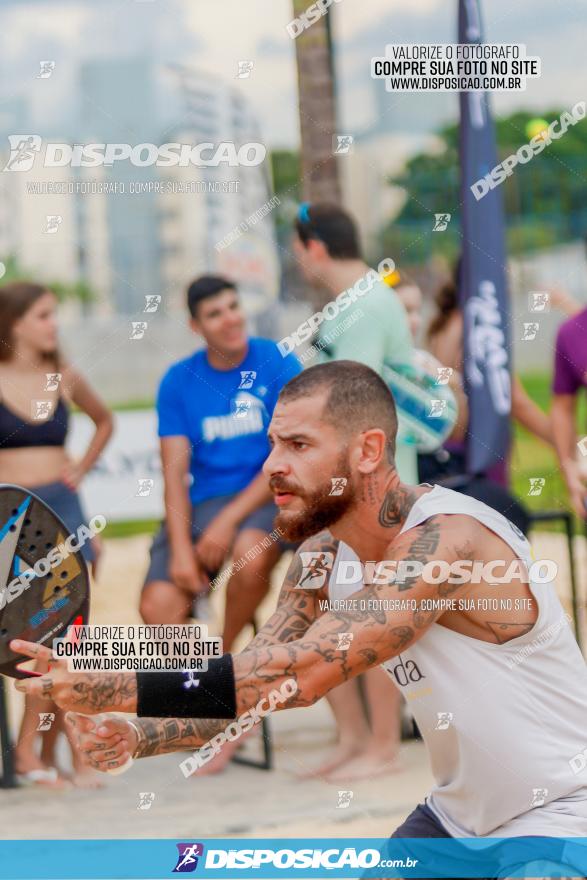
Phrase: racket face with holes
(43,589)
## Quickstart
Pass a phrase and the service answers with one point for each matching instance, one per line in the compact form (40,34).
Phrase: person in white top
(492,670)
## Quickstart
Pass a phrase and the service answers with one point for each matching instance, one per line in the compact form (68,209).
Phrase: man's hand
(216,541)
(90,693)
(104,743)
(185,571)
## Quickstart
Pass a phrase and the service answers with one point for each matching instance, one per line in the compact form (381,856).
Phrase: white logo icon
(315,568)
(191,681)
(53,380)
(46,719)
(145,486)
(23,148)
(247,378)
(443,375)
(338,485)
(146,799)
(244,69)
(41,409)
(344,800)
(52,224)
(536,485)
(441,222)
(539,796)
(344,641)
(443,720)
(437,408)
(530,331)
(342,144)
(152,302)
(47,68)
(539,301)
(241,408)
(137,330)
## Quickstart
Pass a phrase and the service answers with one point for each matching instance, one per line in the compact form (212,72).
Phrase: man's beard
(321,509)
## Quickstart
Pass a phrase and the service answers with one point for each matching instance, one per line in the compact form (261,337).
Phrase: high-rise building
(119,105)
(212,111)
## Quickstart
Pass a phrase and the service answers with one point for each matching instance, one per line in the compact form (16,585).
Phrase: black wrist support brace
(210,694)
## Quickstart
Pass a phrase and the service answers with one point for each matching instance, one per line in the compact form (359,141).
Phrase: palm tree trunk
(320,177)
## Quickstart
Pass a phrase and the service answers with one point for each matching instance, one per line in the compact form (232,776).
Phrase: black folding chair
(267,762)
(8,778)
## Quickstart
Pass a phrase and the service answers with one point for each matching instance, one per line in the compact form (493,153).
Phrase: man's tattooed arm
(314,660)
(295,613)
(157,736)
(296,607)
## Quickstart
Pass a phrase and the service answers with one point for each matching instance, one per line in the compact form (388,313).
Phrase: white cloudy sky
(215,34)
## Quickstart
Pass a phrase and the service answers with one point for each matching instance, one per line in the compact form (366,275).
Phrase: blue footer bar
(227,859)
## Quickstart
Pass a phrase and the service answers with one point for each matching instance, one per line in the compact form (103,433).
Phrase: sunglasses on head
(303,216)
(304,213)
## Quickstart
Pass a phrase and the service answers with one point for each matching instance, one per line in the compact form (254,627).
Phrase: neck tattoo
(396,505)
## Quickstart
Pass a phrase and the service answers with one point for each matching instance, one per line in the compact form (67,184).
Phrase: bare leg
(25,753)
(353,729)
(382,745)
(162,602)
(247,588)
(49,738)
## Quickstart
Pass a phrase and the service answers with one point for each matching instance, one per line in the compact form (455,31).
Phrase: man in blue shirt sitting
(214,408)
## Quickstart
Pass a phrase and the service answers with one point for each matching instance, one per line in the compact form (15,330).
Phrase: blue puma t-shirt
(224,414)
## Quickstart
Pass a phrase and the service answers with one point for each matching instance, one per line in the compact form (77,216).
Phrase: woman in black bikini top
(36,389)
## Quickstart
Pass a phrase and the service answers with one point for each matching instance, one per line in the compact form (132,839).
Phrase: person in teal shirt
(375,327)
(369,325)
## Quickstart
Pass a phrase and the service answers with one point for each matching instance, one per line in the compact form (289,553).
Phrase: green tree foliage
(544,199)
(79,290)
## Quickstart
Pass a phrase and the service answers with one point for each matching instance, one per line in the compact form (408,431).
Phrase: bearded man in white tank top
(498,685)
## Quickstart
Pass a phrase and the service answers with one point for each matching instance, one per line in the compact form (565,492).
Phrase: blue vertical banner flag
(482,282)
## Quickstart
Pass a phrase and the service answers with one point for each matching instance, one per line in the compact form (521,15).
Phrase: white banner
(126,483)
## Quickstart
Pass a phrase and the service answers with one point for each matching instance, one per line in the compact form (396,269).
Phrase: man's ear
(194,326)
(317,249)
(371,450)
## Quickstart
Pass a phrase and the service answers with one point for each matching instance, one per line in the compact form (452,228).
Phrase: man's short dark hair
(357,398)
(332,225)
(204,287)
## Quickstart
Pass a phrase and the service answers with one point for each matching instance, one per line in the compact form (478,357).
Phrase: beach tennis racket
(426,409)
(43,587)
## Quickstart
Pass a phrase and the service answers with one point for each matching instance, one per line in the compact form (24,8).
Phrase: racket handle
(118,771)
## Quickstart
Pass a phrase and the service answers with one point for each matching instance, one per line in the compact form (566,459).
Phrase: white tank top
(502,723)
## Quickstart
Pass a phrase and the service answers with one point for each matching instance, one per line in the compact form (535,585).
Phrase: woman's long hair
(16,298)
(447,303)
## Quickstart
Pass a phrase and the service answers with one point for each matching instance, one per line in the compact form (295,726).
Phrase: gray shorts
(66,504)
(202,515)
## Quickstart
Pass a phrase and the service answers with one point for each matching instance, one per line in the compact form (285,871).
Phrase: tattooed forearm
(297,607)
(157,736)
(107,691)
(288,623)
